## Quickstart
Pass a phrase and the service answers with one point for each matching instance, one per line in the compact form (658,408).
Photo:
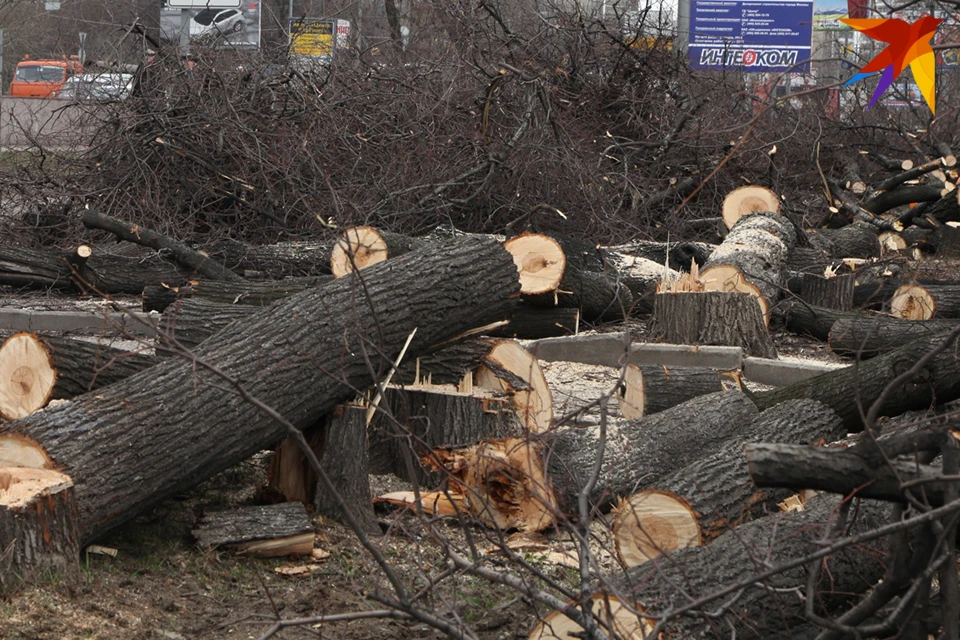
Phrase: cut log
(305,354)
(648,389)
(598,296)
(607,609)
(254,293)
(184,255)
(412,421)
(948,240)
(675,255)
(869,335)
(830,293)
(746,200)
(501,366)
(529,322)
(262,532)
(733,557)
(804,319)
(192,321)
(540,261)
(300,258)
(39,527)
(715,493)
(712,317)
(912,302)
(362,247)
(27,376)
(641,277)
(78,366)
(849,389)
(856,240)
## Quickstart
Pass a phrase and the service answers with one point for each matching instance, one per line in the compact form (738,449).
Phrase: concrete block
(76,321)
(682,355)
(780,373)
(604,349)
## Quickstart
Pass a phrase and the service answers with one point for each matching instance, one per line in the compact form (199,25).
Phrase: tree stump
(828,293)
(712,317)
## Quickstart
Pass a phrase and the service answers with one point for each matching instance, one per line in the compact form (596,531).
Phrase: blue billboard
(750,35)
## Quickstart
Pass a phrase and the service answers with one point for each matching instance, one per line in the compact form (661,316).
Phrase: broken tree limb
(304,355)
(184,255)
(715,493)
(853,389)
(840,471)
(39,527)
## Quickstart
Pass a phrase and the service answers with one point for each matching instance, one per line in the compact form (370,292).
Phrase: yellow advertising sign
(311,38)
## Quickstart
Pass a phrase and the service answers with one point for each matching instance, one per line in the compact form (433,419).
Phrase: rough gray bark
(868,336)
(532,323)
(346,464)
(829,293)
(767,542)
(805,319)
(859,385)
(260,293)
(639,452)
(164,430)
(947,298)
(712,317)
(856,240)
(232,527)
(718,486)
(598,296)
(665,387)
(193,320)
(300,258)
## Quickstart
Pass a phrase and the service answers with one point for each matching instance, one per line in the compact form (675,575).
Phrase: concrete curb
(77,321)
(608,350)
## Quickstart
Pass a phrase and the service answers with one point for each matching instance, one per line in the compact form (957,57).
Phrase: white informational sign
(203,4)
(215,26)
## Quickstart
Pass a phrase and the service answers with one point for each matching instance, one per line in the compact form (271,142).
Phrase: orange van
(42,78)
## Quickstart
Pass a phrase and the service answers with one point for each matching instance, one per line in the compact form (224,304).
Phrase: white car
(217,23)
(98,86)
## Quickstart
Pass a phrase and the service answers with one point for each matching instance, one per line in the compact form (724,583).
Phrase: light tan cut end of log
(652,523)
(84,251)
(358,246)
(17,450)
(20,486)
(890,241)
(434,503)
(726,278)
(629,626)
(540,261)
(504,482)
(906,165)
(631,395)
(746,200)
(534,405)
(300,544)
(912,302)
(949,161)
(27,376)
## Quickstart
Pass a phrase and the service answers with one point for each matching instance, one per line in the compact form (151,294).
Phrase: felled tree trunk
(254,293)
(867,336)
(260,531)
(829,293)
(714,494)
(362,247)
(641,277)
(528,322)
(856,240)
(39,527)
(859,385)
(303,356)
(35,370)
(712,317)
(649,389)
(192,321)
(598,296)
(746,200)
(805,319)
(279,260)
(922,302)
(752,258)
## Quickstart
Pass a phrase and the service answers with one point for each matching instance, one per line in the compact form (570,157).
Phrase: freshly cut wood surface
(746,200)
(434,503)
(912,302)
(18,450)
(267,531)
(620,618)
(27,376)
(651,523)
(540,261)
(39,526)
(362,247)
(533,402)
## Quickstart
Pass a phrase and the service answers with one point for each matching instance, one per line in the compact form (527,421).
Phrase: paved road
(26,122)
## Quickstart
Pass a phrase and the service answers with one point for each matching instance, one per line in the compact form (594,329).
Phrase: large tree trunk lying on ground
(855,240)
(34,370)
(517,483)
(752,258)
(846,390)
(870,335)
(757,612)
(192,321)
(711,317)
(244,292)
(39,527)
(300,258)
(922,302)
(529,322)
(804,319)
(164,430)
(715,493)
(649,389)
